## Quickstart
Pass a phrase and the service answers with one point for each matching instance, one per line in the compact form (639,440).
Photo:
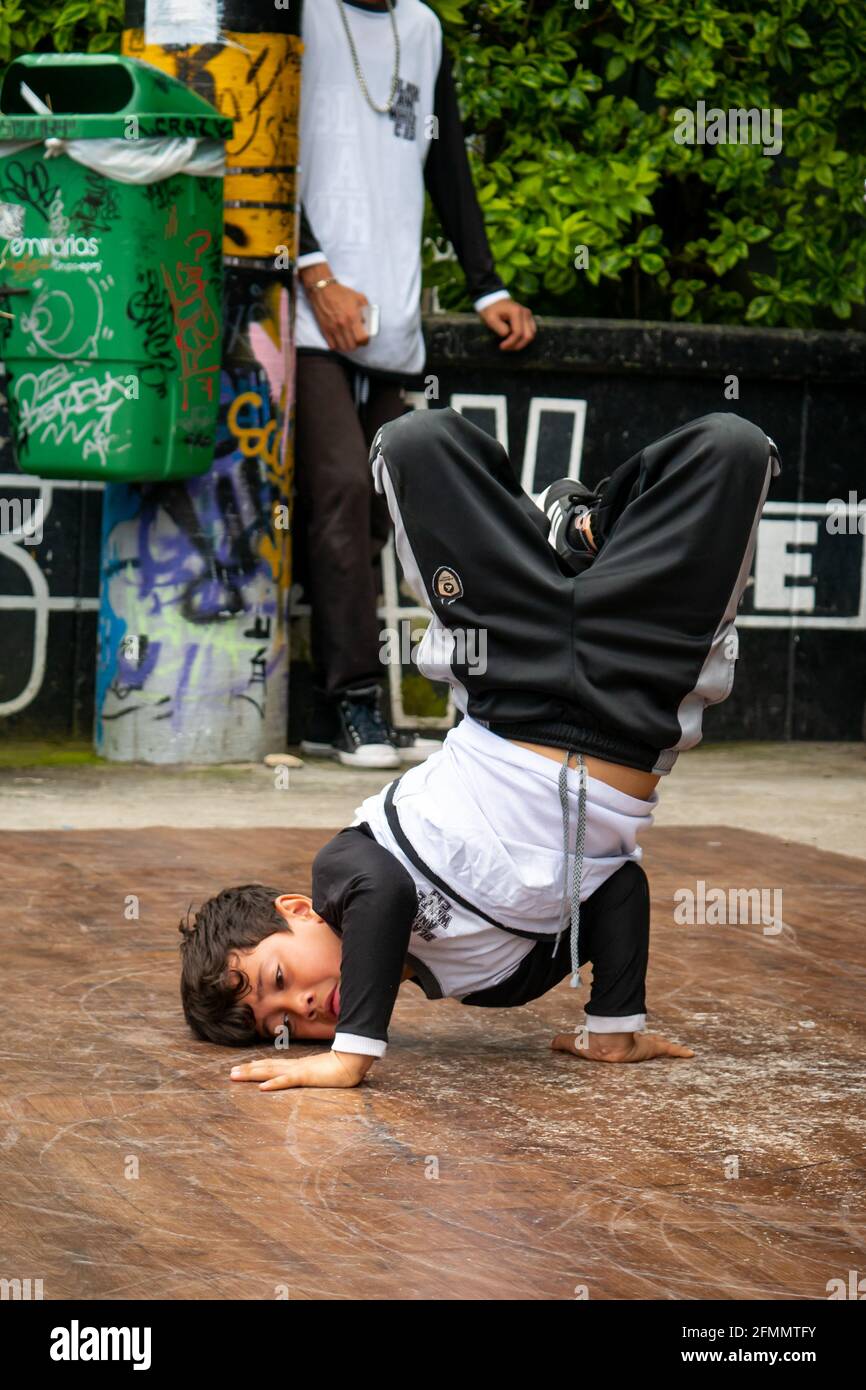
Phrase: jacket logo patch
(447,585)
(434,915)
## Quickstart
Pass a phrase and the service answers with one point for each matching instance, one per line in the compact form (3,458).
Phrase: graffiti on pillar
(193,624)
(184,561)
(272,346)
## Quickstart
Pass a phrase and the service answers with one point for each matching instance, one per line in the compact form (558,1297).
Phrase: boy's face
(293,974)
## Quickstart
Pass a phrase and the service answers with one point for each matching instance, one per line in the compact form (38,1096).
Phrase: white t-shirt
(484,814)
(361,178)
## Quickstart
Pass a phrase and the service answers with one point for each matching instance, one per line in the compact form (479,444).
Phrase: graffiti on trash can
(29,184)
(97,208)
(58,407)
(59,326)
(148,310)
(197,334)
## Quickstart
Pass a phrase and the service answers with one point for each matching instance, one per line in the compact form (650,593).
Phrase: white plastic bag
(135,161)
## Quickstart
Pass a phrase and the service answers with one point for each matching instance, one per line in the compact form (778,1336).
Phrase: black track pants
(614,935)
(619,661)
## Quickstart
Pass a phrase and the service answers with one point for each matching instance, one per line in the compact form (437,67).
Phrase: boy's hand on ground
(340,1069)
(618,1047)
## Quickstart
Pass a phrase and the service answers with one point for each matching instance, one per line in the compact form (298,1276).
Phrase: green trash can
(111,224)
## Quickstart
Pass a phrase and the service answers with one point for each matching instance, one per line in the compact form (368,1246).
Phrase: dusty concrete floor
(808,793)
(474,1162)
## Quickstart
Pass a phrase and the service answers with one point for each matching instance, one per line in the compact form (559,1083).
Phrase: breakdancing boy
(609,622)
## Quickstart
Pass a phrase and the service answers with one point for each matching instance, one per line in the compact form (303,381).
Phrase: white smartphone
(370,318)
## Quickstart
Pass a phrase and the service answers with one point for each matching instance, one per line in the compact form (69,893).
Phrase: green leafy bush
(571,118)
(78,26)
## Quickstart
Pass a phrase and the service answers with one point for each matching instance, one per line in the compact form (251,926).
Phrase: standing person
(379,123)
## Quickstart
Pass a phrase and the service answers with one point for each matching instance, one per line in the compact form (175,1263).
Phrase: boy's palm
(323,1069)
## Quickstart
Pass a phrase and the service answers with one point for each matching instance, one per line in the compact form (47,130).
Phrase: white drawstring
(572,901)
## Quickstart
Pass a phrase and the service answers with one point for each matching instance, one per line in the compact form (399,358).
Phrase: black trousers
(617,662)
(341,525)
(614,935)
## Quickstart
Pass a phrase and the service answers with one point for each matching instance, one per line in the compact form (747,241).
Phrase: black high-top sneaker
(364,739)
(572,510)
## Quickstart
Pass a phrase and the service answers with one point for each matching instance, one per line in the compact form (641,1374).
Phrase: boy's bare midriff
(625,779)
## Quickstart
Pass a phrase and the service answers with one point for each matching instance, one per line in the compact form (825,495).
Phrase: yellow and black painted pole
(252,74)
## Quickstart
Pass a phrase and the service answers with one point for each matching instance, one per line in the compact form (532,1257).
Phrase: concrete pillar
(193,630)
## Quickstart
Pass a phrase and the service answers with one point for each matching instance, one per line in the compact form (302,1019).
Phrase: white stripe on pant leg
(437,638)
(774,457)
(717,673)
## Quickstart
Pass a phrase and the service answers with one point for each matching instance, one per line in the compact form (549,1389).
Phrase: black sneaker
(372,744)
(566,503)
(364,739)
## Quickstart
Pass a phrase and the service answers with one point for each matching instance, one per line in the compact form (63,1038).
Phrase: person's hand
(511,322)
(338,313)
(338,1069)
(618,1047)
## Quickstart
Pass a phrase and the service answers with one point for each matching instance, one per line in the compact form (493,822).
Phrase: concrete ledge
(627,345)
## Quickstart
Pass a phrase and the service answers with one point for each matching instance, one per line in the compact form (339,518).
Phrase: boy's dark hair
(237,919)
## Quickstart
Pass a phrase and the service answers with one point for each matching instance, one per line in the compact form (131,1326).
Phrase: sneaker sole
(317,750)
(369,755)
